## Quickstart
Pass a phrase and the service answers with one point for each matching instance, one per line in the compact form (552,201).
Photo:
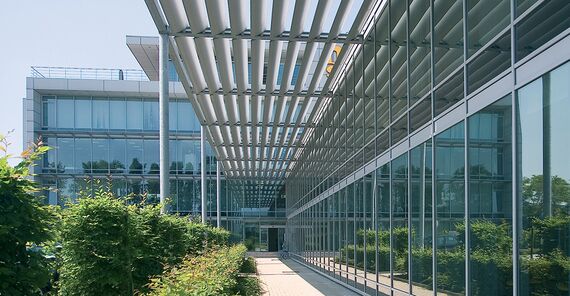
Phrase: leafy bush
(24,223)
(112,248)
(212,273)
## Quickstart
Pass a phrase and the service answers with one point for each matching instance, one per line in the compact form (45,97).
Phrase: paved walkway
(287,277)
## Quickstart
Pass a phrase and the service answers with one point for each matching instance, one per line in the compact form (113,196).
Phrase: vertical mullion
(514,174)
(409,197)
(466,155)
(433,179)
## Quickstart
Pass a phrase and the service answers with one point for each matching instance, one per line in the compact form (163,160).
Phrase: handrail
(88,73)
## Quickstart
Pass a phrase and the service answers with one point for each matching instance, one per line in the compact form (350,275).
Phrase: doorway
(273,239)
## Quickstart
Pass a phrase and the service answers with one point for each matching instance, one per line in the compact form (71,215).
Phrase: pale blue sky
(67,33)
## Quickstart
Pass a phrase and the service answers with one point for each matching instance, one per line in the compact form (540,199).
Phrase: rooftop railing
(88,73)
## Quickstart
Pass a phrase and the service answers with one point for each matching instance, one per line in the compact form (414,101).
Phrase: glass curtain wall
(469,169)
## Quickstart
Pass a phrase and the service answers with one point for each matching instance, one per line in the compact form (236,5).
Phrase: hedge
(213,273)
(111,248)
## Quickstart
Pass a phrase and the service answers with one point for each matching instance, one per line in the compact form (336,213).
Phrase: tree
(24,223)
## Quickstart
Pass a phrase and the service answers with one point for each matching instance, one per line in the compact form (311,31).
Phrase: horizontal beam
(266,35)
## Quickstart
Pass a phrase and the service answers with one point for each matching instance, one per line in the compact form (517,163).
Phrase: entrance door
(272,240)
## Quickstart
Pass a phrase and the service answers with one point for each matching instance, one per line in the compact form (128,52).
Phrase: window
(83,164)
(48,106)
(134,156)
(117,153)
(100,114)
(65,151)
(134,114)
(100,162)
(83,112)
(150,116)
(65,112)
(118,113)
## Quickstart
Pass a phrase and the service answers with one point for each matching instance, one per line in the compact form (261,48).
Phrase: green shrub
(248,266)
(111,248)
(25,224)
(212,273)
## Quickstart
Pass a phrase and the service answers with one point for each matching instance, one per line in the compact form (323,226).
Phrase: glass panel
(420,114)
(490,200)
(151,157)
(83,156)
(448,37)
(66,191)
(100,114)
(421,211)
(383,228)
(188,157)
(48,107)
(185,116)
(65,150)
(540,26)
(135,156)
(100,162)
(49,158)
(172,115)
(491,62)
(117,156)
(485,20)
(523,5)
(449,93)
(65,111)
(399,129)
(83,112)
(543,179)
(450,209)
(400,222)
(118,113)
(420,64)
(399,98)
(135,114)
(150,115)
(382,73)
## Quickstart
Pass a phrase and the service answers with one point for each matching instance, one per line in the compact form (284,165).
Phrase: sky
(62,33)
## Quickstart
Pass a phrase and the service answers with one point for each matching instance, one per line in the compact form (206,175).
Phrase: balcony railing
(88,73)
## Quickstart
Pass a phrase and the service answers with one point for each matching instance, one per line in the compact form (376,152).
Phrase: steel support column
(203,171)
(164,129)
(218,196)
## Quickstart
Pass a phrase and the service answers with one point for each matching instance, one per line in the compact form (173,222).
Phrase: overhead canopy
(256,72)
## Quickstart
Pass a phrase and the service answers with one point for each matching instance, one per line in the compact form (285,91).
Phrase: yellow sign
(332,59)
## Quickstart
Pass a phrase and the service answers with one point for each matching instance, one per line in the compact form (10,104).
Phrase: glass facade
(457,183)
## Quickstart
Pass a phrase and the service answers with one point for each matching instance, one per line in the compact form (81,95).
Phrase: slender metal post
(218,196)
(163,117)
(203,171)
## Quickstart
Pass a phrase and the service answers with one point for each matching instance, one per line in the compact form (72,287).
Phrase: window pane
(185,114)
(134,114)
(66,191)
(83,156)
(65,112)
(135,156)
(172,115)
(100,113)
(543,24)
(117,156)
(400,221)
(49,158)
(82,112)
(100,156)
(419,49)
(117,113)
(150,116)
(48,111)
(421,211)
(450,209)
(490,63)
(448,37)
(151,157)
(65,151)
(485,19)
(383,225)
(490,199)
(544,178)
(449,93)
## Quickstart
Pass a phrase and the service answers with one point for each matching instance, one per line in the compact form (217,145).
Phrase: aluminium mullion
(466,155)
(514,189)
(433,179)
(409,197)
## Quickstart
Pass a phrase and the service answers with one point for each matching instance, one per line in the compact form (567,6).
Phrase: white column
(218,196)
(203,171)
(163,118)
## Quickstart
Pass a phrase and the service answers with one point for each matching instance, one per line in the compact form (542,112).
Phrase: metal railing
(88,73)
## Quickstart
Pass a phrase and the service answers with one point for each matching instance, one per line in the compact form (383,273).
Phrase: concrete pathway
(287,277)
